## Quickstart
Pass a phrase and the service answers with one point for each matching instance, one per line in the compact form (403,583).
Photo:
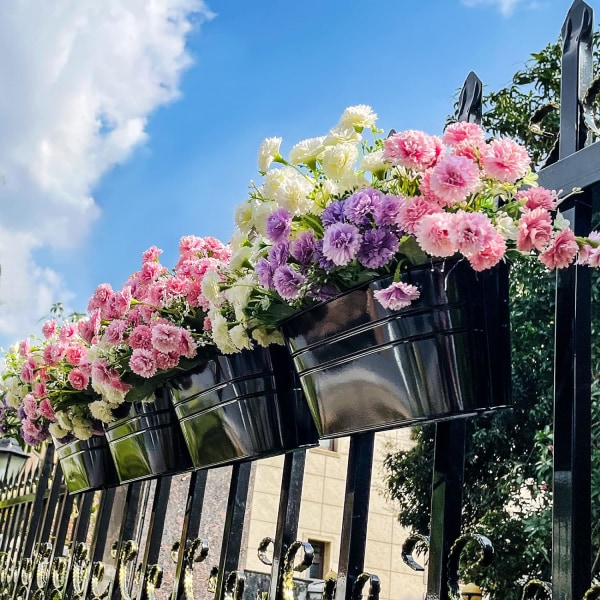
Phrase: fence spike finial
(470,100)
(578,25)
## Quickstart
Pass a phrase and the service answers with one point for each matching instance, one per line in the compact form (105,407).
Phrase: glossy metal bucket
(242,406)
(87,464)
(147,441)
(366,368)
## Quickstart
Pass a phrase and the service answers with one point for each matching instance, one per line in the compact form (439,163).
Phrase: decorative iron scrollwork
(329,586)
(234,586)
(414,542)
(359,585)
(100,584)
(486,551)
(153,580)
(195,551)
(58,577)
(80,569)
(533,588)
(289,565)
(129,552)
(212,579)
(42,569)
(593,593)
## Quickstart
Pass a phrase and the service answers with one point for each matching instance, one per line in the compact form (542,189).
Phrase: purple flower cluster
(362,229)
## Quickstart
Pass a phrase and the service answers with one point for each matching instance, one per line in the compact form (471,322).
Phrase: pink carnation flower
(165,361)
(398,295)
(39,389)
(535,230)
(165,337)
(78,379)
(47,411)
(588,254)
(490,256)
(100,297)
(24,348)
(28,370)
(190,244)
(412,149)
(118,304)
(85,367)
(49,328)
(75,353)
(151,255)
(115,332)
(30,407)
(141,337)
(562,251)
(471,232)
(187,345)
(505,160)
(67,331)
(89,328)
(463,131)
(54,353)
(454,178)
(142,363)
(30,428)
(537,197)
(412,210)
(433,234)
(101,371)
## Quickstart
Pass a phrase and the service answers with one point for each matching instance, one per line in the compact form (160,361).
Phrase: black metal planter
(147,442)
(87,464)
(242,407)
(366,368)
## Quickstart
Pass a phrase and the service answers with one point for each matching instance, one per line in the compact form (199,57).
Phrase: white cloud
(79,79)
(506,7)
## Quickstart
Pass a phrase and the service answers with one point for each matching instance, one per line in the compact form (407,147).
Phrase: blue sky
(126,129)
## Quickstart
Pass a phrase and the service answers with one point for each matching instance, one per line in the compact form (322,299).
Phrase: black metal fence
(109,544)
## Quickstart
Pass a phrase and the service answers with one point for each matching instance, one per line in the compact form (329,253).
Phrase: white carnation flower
(57,432)
(259,217)
(243,216)
(240,338)
(13,400)
(374,162)
(267,152)
(211,288)
(265,339)
(360,116)
(112,396)
(220,333)
(237,240)
(239,293)
(306,150)
(101,410)
(506,228)
(272,181)
(82,432)
(64,421)
(341,134)
(239,258)
(338,161)
(292,191)
(352,181)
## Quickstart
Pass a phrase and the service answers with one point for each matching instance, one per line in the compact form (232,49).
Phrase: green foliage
(508,471)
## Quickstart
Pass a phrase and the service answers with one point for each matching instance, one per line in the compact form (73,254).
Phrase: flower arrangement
(46,386)
(342,209)
(155,325)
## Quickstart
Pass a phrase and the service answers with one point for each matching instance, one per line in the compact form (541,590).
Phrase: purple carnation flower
(378,248)
(264,272)
(279,254)
(288,282)
(398,295)
(279,224)
(324,263)
(21,413)
(360,204)
(386,211)
(341,243)
(334,213)
(303,248)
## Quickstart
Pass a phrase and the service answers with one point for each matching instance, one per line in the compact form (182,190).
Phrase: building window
(321,551)
(328,445)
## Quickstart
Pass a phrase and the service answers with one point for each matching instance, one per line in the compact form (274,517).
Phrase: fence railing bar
(288,515)
(191,527)
(234,524)
(356,513)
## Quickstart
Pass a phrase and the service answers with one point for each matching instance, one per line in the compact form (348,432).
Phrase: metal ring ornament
(212,579)
(98,573)
(289,564)
(262,551)
(81,566)
(129,552)
(486,556)
(413,542)
(361,581)
(329,587)
(533,587)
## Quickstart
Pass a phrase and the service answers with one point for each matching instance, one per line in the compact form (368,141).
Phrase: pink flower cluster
(151,323)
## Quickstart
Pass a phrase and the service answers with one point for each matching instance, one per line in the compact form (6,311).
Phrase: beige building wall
(321,514)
